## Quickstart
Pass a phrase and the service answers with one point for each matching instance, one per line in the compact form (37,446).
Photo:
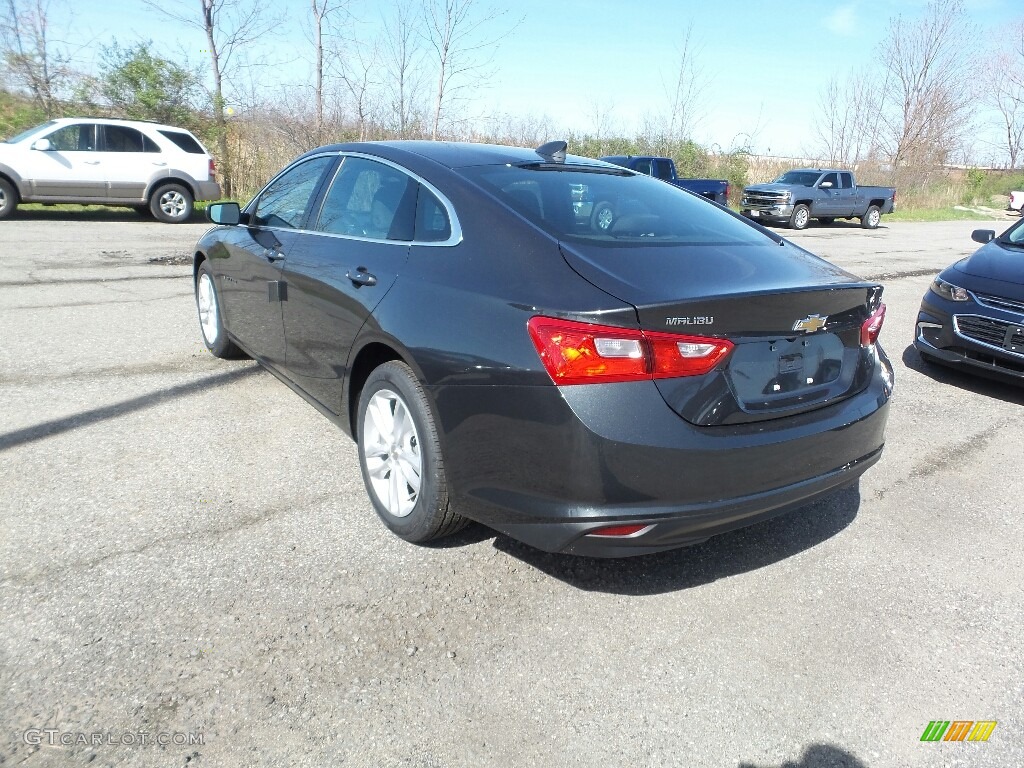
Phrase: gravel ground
(187,553)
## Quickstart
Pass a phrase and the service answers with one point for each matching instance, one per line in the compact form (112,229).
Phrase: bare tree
(402,58)
(322,13)
(691,81)
(928,98)
(846,121)
(230,27)
(357,73)
(463,49)
(30,56)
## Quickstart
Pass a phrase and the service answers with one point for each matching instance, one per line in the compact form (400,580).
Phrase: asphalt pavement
(188,556)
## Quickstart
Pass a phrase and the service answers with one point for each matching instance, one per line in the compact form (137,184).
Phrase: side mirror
(826,185)
(983,236)
(43,145)
(224,213)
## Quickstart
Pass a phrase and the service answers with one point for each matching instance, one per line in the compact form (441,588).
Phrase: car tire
(397,438)
(801,217)
(8,198)
(826,220)
(171,203)
(211,322)
(602,217)
(871,217)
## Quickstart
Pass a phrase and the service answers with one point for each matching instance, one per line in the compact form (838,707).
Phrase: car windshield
(606,207)
(1014,235)
(800,178)
(29,132)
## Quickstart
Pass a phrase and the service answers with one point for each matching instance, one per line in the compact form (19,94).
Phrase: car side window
(120,138)
(831,178)
(285,201)
(847,180)
(663,170)
(432,223)
(79,137)
(643,166)
(370,199)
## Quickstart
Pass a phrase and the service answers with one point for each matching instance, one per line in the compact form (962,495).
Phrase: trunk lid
(794,318)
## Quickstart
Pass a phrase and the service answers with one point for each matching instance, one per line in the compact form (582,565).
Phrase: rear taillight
(871,327)
(213,169)
(582,353)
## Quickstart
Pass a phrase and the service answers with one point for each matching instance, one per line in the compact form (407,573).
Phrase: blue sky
(570,60)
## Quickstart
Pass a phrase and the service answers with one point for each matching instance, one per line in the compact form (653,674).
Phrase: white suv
(153,168)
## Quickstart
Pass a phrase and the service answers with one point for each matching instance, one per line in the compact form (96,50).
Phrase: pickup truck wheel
(8,198)
(801,217)
(871,218)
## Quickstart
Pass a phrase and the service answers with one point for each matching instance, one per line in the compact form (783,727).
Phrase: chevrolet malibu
(972,316)
(617,378)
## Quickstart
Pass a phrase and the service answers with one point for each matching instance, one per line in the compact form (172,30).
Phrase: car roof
(120,121)
(453,154)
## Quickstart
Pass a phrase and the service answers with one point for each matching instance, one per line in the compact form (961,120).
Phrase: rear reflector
(871,327)
(582,353)
(620,530)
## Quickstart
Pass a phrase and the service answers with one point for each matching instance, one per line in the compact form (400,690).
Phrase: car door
(848,194)
(344,268)
(70,169)
(250,268)
(828,202)
(128,159)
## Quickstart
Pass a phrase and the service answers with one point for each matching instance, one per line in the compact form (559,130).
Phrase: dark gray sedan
(584,358)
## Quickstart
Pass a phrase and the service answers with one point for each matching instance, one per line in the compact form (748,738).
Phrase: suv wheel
(171,203)
(8,198)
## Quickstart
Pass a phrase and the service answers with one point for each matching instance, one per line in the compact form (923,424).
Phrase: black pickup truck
(665,169)
(798,196)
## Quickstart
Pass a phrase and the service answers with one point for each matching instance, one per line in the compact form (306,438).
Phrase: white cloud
(843,20)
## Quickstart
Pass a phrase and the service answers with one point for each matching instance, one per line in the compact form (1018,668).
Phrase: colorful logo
(958,730)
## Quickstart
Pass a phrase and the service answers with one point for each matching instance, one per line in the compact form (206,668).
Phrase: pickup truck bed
(665,169)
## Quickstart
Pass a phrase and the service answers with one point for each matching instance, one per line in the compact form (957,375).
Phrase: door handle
(91,162)
(360,276)
(160,165)
(272,255)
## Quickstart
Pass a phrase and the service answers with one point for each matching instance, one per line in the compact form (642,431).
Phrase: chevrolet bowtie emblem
(811,323)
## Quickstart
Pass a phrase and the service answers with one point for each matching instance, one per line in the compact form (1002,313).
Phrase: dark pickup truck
(798,196)
(665,169)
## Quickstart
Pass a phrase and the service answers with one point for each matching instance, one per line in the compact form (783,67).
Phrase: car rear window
(185,141)
(611,208)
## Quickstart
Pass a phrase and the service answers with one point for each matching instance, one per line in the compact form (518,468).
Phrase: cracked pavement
(187,548)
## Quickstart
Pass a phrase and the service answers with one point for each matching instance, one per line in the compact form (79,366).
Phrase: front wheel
(871,218)
(171,203)
(801,217)
(8,198)
(400,456)
(210,322)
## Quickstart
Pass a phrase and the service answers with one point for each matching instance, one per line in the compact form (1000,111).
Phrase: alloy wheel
(206,298)
(391,452)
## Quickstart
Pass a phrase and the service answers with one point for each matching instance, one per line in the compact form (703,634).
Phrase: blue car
(972,316)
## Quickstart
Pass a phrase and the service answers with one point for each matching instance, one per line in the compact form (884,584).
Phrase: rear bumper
(551,466)
(207,190)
